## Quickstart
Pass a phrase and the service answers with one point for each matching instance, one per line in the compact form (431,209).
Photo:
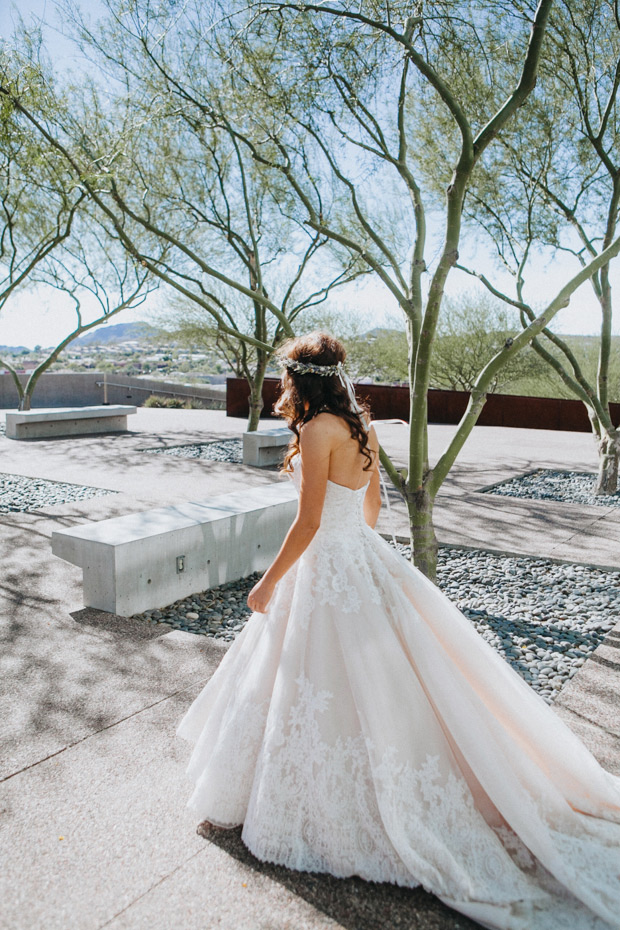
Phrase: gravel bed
(569,487)
(218,612)
(223,450)
(19,494)
(544,618)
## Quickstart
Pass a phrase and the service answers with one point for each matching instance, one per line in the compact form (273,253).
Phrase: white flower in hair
(306,368)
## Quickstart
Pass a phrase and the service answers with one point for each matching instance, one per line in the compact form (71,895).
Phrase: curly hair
(322,394)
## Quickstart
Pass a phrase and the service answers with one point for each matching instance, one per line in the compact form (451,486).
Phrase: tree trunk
(31,383)
(608,458)
(256,396)
(256,406)
(422,531)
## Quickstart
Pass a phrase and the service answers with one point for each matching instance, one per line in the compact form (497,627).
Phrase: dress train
(363,727)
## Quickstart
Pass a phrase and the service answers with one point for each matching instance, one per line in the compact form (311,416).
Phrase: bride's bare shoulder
(318,429)
(324,422)
(323,431)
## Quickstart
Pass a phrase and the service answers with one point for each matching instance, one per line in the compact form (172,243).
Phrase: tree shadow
(353,903)
(123,627)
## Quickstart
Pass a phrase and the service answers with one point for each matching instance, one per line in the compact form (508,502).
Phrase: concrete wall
(83,389)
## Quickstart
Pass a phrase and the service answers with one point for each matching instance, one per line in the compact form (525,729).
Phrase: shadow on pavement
(353,903)
(124,627)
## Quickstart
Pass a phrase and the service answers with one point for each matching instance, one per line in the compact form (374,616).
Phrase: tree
(471,331)
(48,237)
(376,353)
(38,203)
(336,106)
(354,57)
(97,276)
(186,324)
(560,192)
(165,176)
(380,355)
(333,91)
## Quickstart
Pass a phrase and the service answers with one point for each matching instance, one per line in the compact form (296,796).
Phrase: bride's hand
(260,595)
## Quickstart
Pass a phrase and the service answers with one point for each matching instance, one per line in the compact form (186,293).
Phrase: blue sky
(36,317)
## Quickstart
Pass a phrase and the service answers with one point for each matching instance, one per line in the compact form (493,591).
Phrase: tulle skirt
(363,727)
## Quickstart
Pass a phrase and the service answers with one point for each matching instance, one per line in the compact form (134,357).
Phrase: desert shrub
(177,403)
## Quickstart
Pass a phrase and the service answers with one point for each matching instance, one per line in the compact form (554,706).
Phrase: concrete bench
(147,560)
(67,421)
(266,447)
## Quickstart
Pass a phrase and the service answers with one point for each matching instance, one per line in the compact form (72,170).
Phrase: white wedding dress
(362,727)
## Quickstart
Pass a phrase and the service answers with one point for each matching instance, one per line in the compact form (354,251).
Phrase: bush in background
(156,400)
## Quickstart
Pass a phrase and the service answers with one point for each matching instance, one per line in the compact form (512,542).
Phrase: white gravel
(544,618)
(569,487)
(224,450)
(20,494)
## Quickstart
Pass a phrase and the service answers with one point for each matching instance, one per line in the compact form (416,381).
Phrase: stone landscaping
(570,487)
(218,612)
(89,690)
(224,450)
(544,618)
(20,494)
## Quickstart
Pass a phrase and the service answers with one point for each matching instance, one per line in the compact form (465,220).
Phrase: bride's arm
(372,498)
(315,448)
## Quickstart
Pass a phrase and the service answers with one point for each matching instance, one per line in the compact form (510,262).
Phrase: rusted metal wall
(387,402)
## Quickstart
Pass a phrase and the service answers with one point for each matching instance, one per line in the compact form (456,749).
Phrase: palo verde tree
(472,329)
(340,102)
(337,105)
(167,176)
(96,276)
(560,194)
(51,239)
(38,203)
(187,325)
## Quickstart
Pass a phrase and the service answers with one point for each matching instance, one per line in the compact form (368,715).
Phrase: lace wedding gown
(362,727)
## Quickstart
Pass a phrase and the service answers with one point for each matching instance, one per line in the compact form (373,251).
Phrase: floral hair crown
(306,368)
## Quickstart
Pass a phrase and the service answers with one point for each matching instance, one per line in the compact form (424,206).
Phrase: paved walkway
(89,702)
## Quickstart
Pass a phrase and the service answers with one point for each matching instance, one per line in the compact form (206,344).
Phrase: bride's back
(346,462)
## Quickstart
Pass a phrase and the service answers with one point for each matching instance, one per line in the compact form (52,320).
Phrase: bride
(360,726)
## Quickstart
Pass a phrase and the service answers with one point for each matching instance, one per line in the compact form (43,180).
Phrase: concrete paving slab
(496,450)
(590,703)
(50,702)
(268,897)
(233,895)
(116,846)
(66,672)
(103,822)
(490,454)
(541,528)
(89,702)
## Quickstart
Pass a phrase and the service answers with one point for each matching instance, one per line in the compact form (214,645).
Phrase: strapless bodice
(343,508)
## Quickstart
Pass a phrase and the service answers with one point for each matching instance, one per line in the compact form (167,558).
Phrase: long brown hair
(322,393)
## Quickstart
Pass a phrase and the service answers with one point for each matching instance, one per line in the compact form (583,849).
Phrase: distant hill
(13,350)
(382,331)
(119,332)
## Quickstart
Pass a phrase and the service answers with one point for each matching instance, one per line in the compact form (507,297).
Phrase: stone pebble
(224,450)
(569,487)
(544,618)
(20,494)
